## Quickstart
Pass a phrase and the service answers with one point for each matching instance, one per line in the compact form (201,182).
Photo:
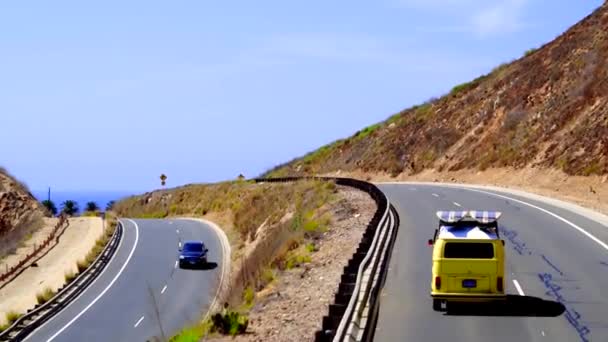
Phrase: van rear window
(468,250)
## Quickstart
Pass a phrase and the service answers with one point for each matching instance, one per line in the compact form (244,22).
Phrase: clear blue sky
(107,96)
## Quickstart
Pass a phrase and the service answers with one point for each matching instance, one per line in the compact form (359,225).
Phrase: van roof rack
(481,216)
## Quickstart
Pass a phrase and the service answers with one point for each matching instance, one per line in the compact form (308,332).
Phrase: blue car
(193,253)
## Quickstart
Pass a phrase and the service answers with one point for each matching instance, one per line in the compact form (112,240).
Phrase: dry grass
(45,295)
(12,317)
(69,276)
(100,244)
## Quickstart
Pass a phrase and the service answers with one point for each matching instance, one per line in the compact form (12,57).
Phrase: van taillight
(499,284)
(437,283)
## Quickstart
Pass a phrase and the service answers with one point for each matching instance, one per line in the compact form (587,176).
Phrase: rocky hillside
(20,213)
(549,109)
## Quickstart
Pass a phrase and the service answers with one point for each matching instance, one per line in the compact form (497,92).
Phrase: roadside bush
(230,323)
(193,333)
(529,52)
(81,265)
(45,295)
(249,296)
(12,316)
(296,260)
(69,276)
(267,276)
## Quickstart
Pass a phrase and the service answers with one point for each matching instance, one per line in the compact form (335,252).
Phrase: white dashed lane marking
(518,287)
(163,290)
(138,322)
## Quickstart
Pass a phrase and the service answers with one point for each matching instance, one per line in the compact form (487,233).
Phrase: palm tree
(110,205)
(50,207)
(92,207)
(69,207)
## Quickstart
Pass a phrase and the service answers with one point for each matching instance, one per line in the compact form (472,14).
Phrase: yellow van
(468,258)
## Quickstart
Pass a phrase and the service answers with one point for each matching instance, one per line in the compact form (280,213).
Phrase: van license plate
(469,283)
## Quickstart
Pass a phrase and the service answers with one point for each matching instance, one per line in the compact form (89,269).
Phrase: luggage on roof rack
(481,216)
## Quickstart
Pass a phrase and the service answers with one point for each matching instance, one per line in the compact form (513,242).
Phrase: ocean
(100,197)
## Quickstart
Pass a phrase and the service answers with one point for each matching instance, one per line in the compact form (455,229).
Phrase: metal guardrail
(353,315)
(42,313)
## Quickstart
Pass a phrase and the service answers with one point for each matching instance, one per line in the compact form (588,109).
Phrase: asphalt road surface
(142,290)
(556,272)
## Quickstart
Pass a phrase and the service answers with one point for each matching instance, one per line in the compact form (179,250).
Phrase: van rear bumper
(473,297)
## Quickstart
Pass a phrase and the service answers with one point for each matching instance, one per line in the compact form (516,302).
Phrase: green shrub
(311,226)
(12,316)
(310,247)
(249,296)
(529,52)
(192,333)
(296,260)
(69,276)
(366,131)
(267,275)
(230,323)
(45,295)
(463,86)
(593,168)
(81,265)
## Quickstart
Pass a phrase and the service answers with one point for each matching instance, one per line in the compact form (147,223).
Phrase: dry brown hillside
(20,213)
(548,109)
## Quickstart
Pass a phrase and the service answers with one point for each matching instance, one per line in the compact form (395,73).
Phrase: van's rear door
(470,267)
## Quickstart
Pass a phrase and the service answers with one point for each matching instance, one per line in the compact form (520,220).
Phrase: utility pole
(49,196)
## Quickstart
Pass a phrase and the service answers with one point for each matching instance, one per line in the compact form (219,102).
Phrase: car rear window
(193,247)
(468,250)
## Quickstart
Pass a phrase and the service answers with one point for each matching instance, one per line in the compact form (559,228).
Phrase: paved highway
(557,272)
(142,289)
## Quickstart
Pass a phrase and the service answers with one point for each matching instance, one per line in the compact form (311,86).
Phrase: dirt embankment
(20,213)
(548,109)
(291,307)
(79,237)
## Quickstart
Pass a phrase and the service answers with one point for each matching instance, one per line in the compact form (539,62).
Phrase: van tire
(436,304)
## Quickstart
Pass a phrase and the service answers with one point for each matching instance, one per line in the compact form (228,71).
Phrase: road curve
(142,290)
(557,271)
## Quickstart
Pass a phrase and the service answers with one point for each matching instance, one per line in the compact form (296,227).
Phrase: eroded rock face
(20,212)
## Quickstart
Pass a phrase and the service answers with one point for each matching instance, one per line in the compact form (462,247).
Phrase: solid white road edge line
(139,321)
(104,290)
(163,290)
(589,235)
(518,287)
(83,292)
(175,264)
